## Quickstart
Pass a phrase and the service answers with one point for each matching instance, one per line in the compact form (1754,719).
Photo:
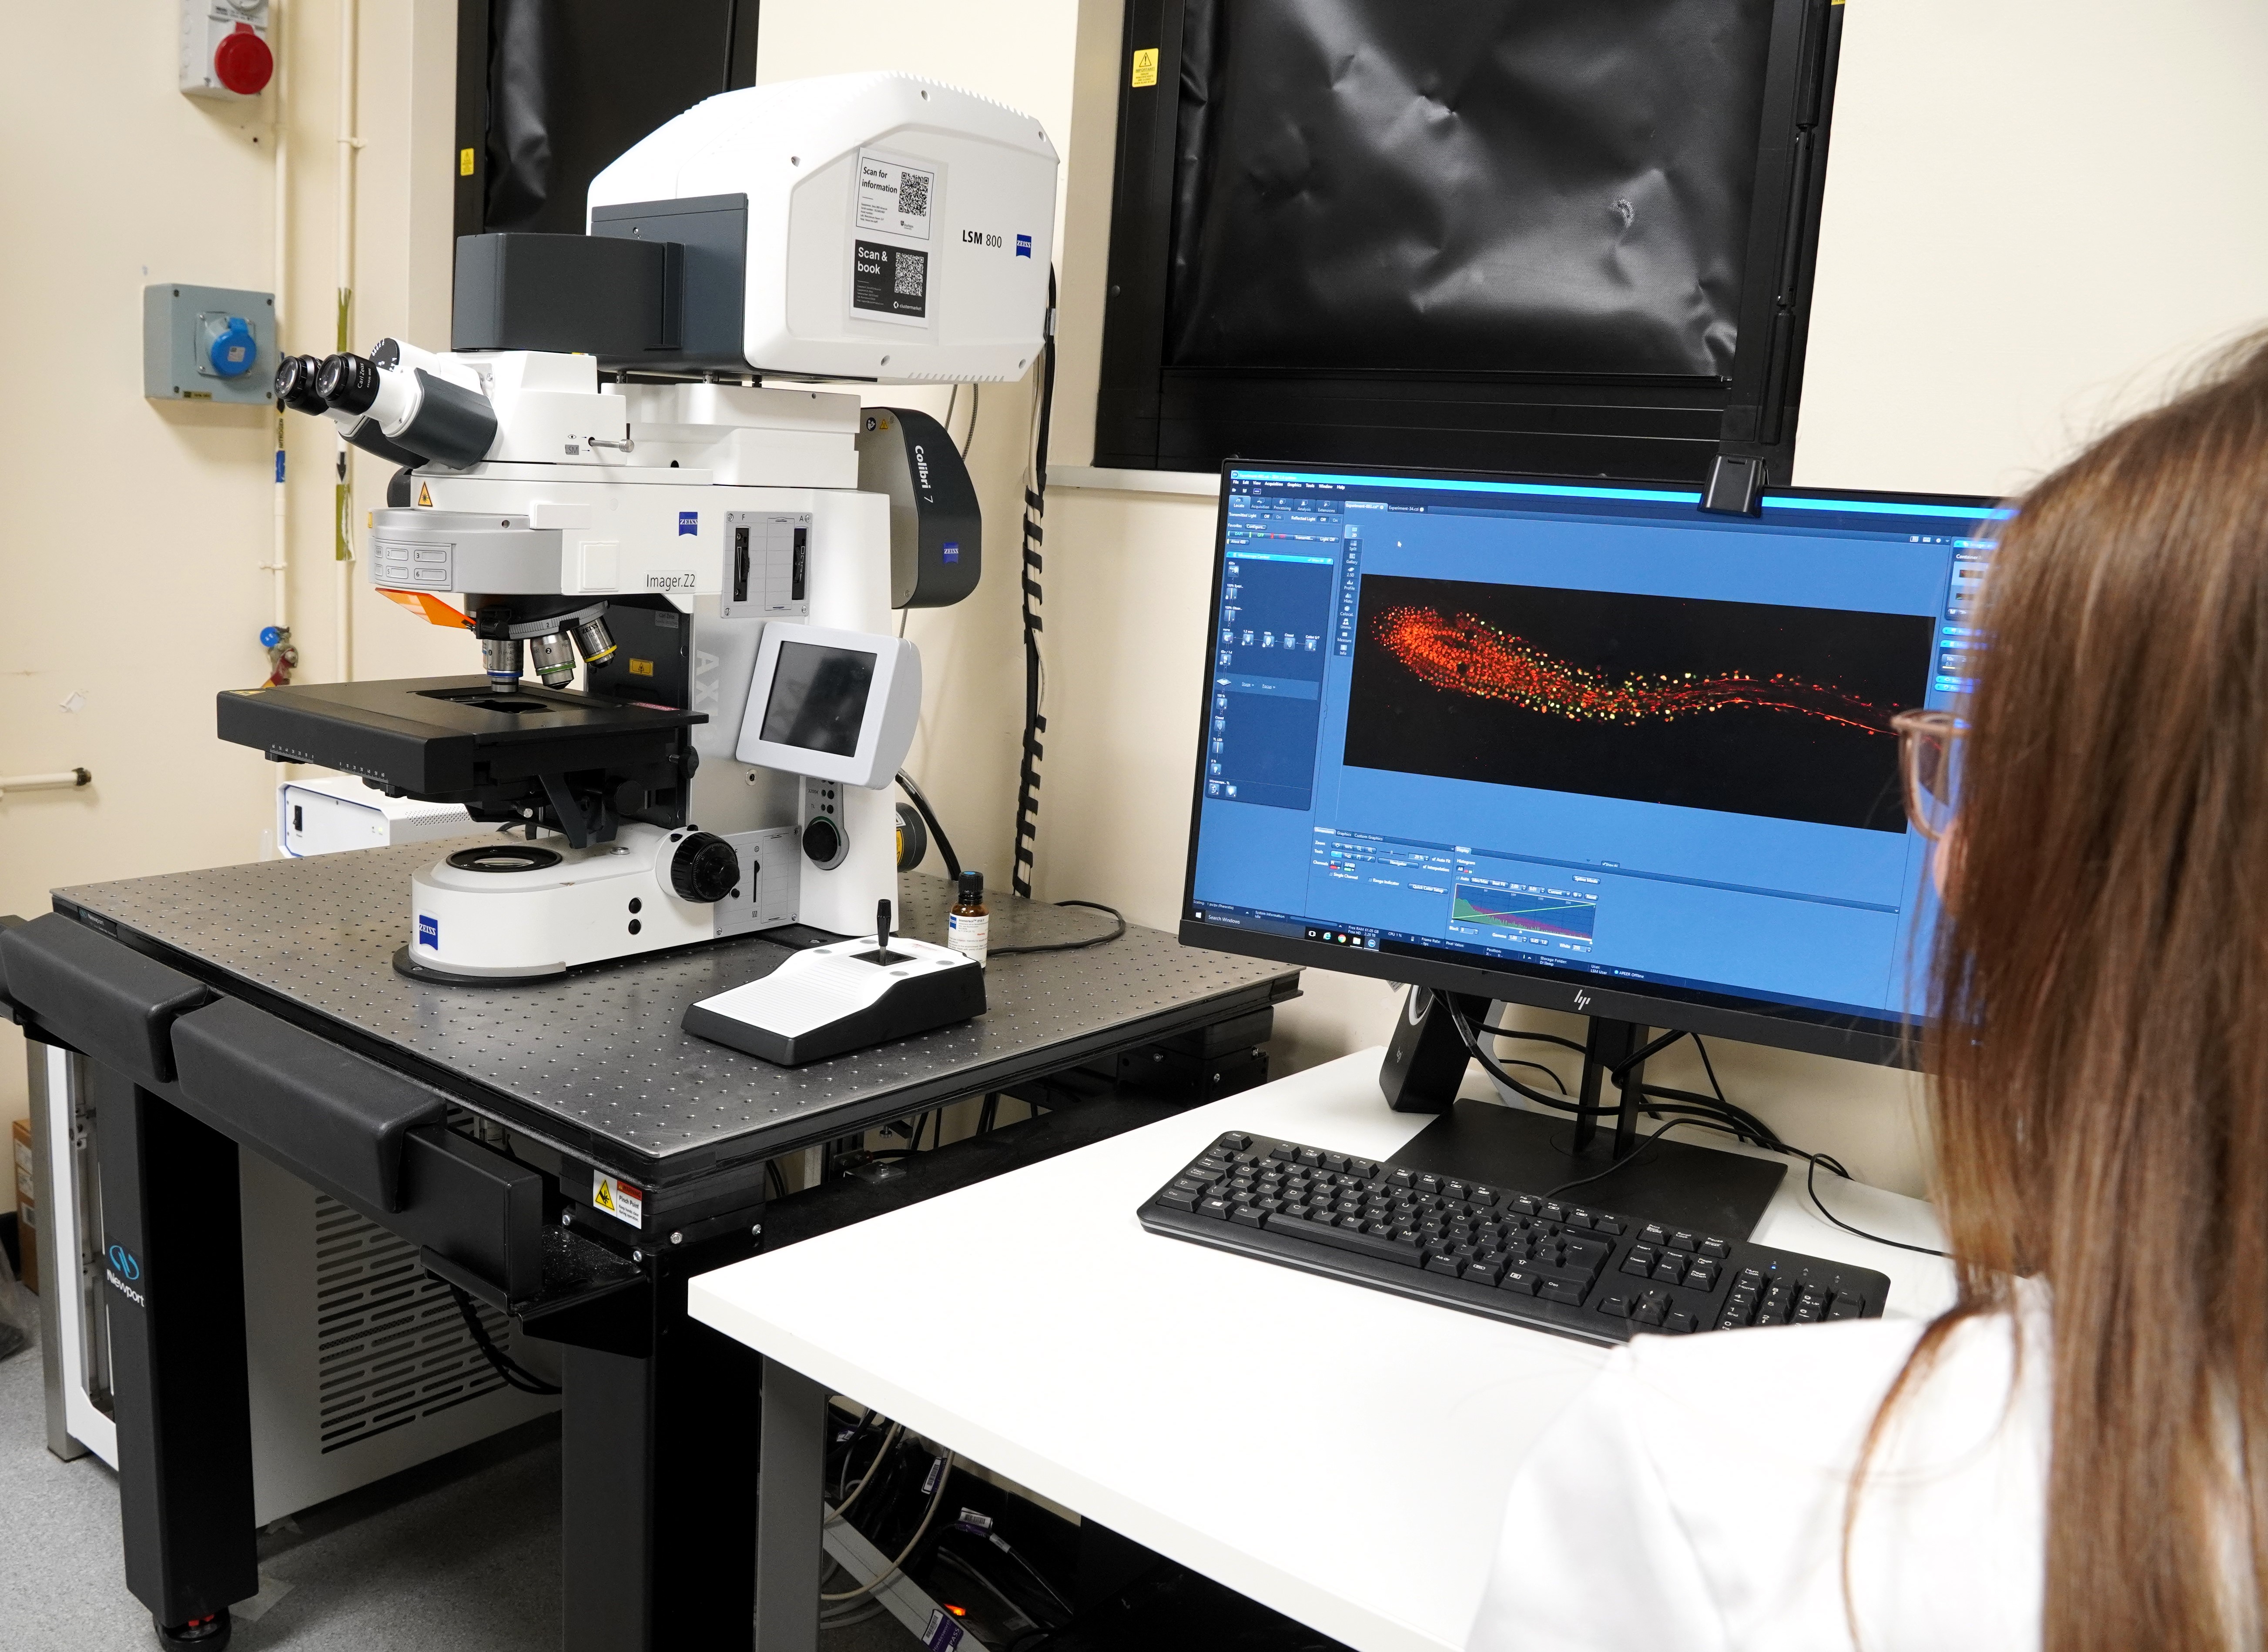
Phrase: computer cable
(1071,946)
(1540,1037)
(1621,1165)
(1712,1113)
(511,1371)
(929,819)
(937,1499)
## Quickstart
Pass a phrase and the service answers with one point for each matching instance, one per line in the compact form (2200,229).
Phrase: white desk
(1030,1324)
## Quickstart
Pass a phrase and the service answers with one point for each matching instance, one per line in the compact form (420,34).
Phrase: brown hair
(2099,1036)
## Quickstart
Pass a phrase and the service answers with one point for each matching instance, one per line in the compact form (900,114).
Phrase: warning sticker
(889,282)
(618,1198)
(893,198)
(424,495)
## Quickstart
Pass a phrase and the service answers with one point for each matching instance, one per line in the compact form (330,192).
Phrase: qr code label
(894,196)
(889,283)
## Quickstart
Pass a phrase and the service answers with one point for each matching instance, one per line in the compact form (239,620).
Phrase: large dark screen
(1497,185)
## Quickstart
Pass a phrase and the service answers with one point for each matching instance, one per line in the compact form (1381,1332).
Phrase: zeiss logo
(128,1266)
(688,522)
(429,932)
(1582,999)
(1023,246)
(952,550)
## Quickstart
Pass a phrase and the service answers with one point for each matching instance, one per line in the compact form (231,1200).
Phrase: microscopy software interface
(1589,727)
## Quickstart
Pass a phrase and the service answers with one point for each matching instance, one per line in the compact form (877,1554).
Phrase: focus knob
(705,869)
(824,844)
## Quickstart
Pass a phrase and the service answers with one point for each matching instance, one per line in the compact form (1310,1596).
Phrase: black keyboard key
(1428,1183)
(1616,1303)
(1655,1233)
(1520,1280)
(1215,1206)
(1366,1170)
(1677,1321)
(1312,1157)
(1484,1196)
(1440,1262)
(1336,1162)
(1286,1152)
(1717,1250)
(1608,1225)
(1527,1205)
(1667,1271)
(1235,1141)
(1179,1197)
(1648,1310)
(1578,1217)
(1682,1241)
(1567,1291)
(1553,1212)
(1486,1269)
(1250,1216)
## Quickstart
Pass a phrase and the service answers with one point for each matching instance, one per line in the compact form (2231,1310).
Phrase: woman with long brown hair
(2075,1455)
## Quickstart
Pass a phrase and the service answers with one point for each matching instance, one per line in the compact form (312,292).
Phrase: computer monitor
(1581,746)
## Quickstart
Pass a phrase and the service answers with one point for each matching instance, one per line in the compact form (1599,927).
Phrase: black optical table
(257,1005)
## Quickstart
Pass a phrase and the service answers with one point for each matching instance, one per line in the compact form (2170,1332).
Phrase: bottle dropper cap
(972,888)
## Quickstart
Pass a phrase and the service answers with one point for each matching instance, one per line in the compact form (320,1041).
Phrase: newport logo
(1582,999)
(124,1265)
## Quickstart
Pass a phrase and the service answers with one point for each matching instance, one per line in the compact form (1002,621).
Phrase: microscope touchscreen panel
(817,700)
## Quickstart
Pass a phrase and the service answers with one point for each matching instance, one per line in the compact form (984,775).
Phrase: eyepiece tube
(295,385)
(596,642)
(552,657)
(502,656)
(347,384)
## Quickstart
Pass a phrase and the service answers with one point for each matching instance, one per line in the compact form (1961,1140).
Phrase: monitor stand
(1679,1184)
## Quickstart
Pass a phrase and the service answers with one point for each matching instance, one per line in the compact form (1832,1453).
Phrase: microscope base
(513,910)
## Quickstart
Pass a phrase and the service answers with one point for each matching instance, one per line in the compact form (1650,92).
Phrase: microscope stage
(442,737)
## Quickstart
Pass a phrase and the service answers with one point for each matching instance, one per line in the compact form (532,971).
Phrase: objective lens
(552,657)
(295,384)
(594,640)
(502,656)
(347,384)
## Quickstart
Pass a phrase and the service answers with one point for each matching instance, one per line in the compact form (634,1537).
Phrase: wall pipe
(42,782)
(342,531)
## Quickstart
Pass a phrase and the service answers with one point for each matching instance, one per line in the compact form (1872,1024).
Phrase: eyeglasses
(1929,760)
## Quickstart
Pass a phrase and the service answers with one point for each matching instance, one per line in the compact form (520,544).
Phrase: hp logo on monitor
(1582,999)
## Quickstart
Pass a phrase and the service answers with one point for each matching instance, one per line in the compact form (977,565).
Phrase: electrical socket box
(208,344)
(225,53)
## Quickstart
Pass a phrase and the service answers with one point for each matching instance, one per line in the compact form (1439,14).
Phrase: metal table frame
(256,1006)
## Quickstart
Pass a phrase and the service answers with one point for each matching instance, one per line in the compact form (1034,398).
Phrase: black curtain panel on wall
(1508,234)
(549,91)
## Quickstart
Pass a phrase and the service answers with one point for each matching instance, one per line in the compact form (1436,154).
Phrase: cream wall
(133,534)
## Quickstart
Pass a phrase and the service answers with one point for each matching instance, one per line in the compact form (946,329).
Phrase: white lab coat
(1692,1499)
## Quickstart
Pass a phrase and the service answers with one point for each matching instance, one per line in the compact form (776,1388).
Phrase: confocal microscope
(606,479)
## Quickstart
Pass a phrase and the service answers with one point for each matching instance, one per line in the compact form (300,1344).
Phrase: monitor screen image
(818,698)
(1573,733)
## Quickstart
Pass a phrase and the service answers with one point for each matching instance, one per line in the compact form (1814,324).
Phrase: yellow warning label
(1146,67)
(618,1198)
(424,495)
(464,163)
(641,668)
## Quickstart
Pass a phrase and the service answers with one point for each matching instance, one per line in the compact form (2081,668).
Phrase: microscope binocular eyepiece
(295,385)
(347,382)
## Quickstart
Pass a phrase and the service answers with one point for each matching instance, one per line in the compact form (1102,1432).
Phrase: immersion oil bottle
(968,927)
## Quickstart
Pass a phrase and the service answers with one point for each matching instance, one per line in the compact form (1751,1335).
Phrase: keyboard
(1580,1271)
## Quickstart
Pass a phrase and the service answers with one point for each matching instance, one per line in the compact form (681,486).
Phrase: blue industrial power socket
(208,344)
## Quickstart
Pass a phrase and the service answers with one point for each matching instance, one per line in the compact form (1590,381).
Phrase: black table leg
(174,1280)
(659,1479)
